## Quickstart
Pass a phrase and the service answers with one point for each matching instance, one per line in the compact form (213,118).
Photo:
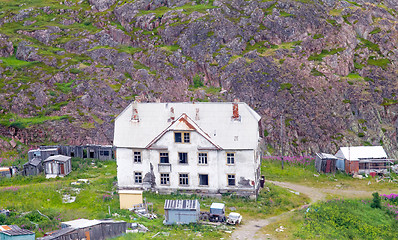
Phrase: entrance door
(328,162)
(62,168)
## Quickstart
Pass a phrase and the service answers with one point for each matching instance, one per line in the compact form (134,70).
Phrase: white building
(206,148)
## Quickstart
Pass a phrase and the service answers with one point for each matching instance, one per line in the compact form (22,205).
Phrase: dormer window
(182,137)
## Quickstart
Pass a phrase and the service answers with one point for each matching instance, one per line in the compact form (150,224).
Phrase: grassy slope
(37,193)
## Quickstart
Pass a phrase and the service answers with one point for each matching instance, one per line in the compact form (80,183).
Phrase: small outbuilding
(57,166)
(325,163)
(80,229)
(41,153)
(13,232)
(181,211)
(363,160)
(5,172)
(33,167)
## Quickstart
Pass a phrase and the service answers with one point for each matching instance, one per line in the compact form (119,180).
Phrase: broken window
(137,177)
(137,157)
(164,179)
(203,179)
(182,137)
(202,158)
(164,157)
(183,158)
(231,179)
(230,158)
(183,179)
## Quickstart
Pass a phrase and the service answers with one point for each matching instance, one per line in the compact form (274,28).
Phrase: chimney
(134,116)
(235,110)
(197,114)
(172,117)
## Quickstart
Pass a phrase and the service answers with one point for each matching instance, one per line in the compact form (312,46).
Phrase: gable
(214,119)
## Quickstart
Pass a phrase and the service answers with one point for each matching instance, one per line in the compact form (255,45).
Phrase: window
(177,137)
(183,158)
(231,158)
(164,157)
(106,153)
(164,179)
(137,177)
(231,180)
(202,158)
(184,179)
(182,137)
(186,137)
(203,179)
(137,157)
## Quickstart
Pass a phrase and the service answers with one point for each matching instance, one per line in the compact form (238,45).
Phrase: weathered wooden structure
(13,232)
(325,163)
(42,153)
(57,166)
(33,167)
(363,160)
(88,229)
(101,152)
(181,211)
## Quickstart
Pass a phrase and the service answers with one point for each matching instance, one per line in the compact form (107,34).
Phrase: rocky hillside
(67,68)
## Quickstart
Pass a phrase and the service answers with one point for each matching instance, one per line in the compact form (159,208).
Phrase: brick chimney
(235,110)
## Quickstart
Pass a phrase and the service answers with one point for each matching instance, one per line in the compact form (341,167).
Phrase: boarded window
(203,179)
(183,158)
(137,157)
(202,158)
(184,179)
(231,180)
(230,158)
(164,157)
(137,177)
(164,179)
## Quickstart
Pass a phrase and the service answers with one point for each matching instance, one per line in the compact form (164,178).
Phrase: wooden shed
(80,229)
(33,167)
(57,166)
(325,163)
(13,232)
(181,211)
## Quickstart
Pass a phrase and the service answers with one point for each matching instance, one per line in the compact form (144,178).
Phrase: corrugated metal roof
(326,156)
(14,232)
(217,205)
(181,204)
(361,152)
(55,234)
(81,223)
(60,158)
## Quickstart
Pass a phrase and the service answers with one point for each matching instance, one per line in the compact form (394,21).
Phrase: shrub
(197,81)
(376,200)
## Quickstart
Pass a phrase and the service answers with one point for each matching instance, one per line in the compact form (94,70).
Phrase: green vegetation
(347,219)
(375,31)
(13,120)
(15,63)
(317,36)
(387,102)
(369,44)
(285,14)
(186,9)
(64,87)
(381,62)
(197,81)
(284,86)
(317,73)
(324,53)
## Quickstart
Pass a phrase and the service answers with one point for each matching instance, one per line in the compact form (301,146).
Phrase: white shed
(57,166)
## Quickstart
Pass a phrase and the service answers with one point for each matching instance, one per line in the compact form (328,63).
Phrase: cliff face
(327,66)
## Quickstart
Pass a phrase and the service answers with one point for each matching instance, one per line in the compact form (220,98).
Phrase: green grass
(187,9)
(15,63)
(381,62)
(324,53)
(347,219)
(13,120)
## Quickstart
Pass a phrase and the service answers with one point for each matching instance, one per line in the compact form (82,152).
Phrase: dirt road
(249,229)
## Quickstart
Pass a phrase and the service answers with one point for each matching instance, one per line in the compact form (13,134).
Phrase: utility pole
(282,140)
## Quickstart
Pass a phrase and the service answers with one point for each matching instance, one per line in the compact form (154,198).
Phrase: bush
(197,81)
(376,200)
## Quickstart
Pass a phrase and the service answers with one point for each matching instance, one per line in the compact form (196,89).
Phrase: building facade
(205,148)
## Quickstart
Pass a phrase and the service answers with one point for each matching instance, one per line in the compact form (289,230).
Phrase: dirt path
(249,229)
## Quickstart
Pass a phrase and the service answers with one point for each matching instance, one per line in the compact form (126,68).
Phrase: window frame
(134,156)
(179,158)
(183,136)
(160,178)
(140,178)
(201,185)
(179,180)
(234,177)
(228,158)
(199,158)
(160,158)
